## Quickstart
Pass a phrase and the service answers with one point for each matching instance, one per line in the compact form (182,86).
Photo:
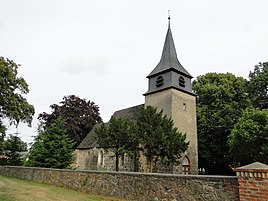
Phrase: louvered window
(181,81)
(159,81)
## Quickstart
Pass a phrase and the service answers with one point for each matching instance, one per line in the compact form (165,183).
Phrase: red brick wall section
(253,186)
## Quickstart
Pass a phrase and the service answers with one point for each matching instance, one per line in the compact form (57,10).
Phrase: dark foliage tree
(52,147)
(160,140)
(118,137)
(258,86)
(12,146)
(248,140)
(13,106)
(220,102)
(153,134)
(80,116)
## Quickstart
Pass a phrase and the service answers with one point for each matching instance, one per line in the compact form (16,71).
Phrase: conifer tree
(52,147)
(117,137)
(12,146)
(161,141)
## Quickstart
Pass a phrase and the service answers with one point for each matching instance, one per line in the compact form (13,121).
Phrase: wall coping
(253,170)
(132,173)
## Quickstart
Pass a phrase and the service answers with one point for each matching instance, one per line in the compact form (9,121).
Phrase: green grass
(12,189)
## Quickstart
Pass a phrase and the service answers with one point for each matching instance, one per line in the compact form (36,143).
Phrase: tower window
(184,106)
(181,81)
(159,81)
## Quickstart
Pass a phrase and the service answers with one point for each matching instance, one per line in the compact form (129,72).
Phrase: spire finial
(168,19)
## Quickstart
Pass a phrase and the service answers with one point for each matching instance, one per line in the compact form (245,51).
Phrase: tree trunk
(116,161)
(136,160)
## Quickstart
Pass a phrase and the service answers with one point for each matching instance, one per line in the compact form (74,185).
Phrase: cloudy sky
(102,50)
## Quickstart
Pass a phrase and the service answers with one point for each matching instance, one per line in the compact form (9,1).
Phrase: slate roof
(127,113)
(169,60)
(89,141)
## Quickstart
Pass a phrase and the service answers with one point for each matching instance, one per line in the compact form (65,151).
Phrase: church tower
(170,90)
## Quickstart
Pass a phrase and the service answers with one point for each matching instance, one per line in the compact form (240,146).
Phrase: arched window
(186,166)
(159,81)
(94,160)
(181,81)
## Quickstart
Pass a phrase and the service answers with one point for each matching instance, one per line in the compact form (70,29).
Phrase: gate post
(253,182)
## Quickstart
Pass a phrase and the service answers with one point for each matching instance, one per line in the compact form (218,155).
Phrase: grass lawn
(12,189)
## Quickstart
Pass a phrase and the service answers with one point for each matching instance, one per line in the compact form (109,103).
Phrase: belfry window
(159,81)
(181,81)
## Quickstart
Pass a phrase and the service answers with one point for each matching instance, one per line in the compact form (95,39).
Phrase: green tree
(221,98)
(117,136)
(80,116)
(158,137)
(13,106)
(248,141)
(52,147)
(258,86)
(12,146)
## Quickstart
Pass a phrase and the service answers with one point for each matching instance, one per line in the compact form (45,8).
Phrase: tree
(153,133)
(13,105)
(12,146)
(221,98)
(52,147)
(258,86)
(80,116)
(160,140)
(248,140)
(117,137)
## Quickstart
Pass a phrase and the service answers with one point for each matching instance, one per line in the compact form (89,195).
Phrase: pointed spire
(169,60)
(168,19)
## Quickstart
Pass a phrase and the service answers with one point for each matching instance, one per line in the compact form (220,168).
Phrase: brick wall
(134,186)
(253,189)
(253,182)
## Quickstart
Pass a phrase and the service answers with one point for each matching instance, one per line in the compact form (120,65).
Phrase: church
(170,90)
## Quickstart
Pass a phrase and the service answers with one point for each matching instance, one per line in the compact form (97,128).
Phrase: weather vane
(168,14)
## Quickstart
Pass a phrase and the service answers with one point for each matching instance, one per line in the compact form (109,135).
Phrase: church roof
(89,141)
(169,60)
(127,113)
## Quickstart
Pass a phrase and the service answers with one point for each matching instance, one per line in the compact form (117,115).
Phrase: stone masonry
(134,186)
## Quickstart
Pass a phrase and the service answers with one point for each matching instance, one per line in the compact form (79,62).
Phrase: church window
(186,168)
(159,81)
(184,106)
(181,81)
(94,160)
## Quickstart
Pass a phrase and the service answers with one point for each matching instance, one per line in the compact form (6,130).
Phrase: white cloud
(2,27)
(79,65)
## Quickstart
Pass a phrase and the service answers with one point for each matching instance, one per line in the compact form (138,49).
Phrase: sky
(102,50)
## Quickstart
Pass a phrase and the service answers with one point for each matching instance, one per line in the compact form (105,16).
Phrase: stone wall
(134,186)
(98,159)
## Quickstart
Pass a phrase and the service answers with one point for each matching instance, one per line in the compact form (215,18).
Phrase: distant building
(170,90)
